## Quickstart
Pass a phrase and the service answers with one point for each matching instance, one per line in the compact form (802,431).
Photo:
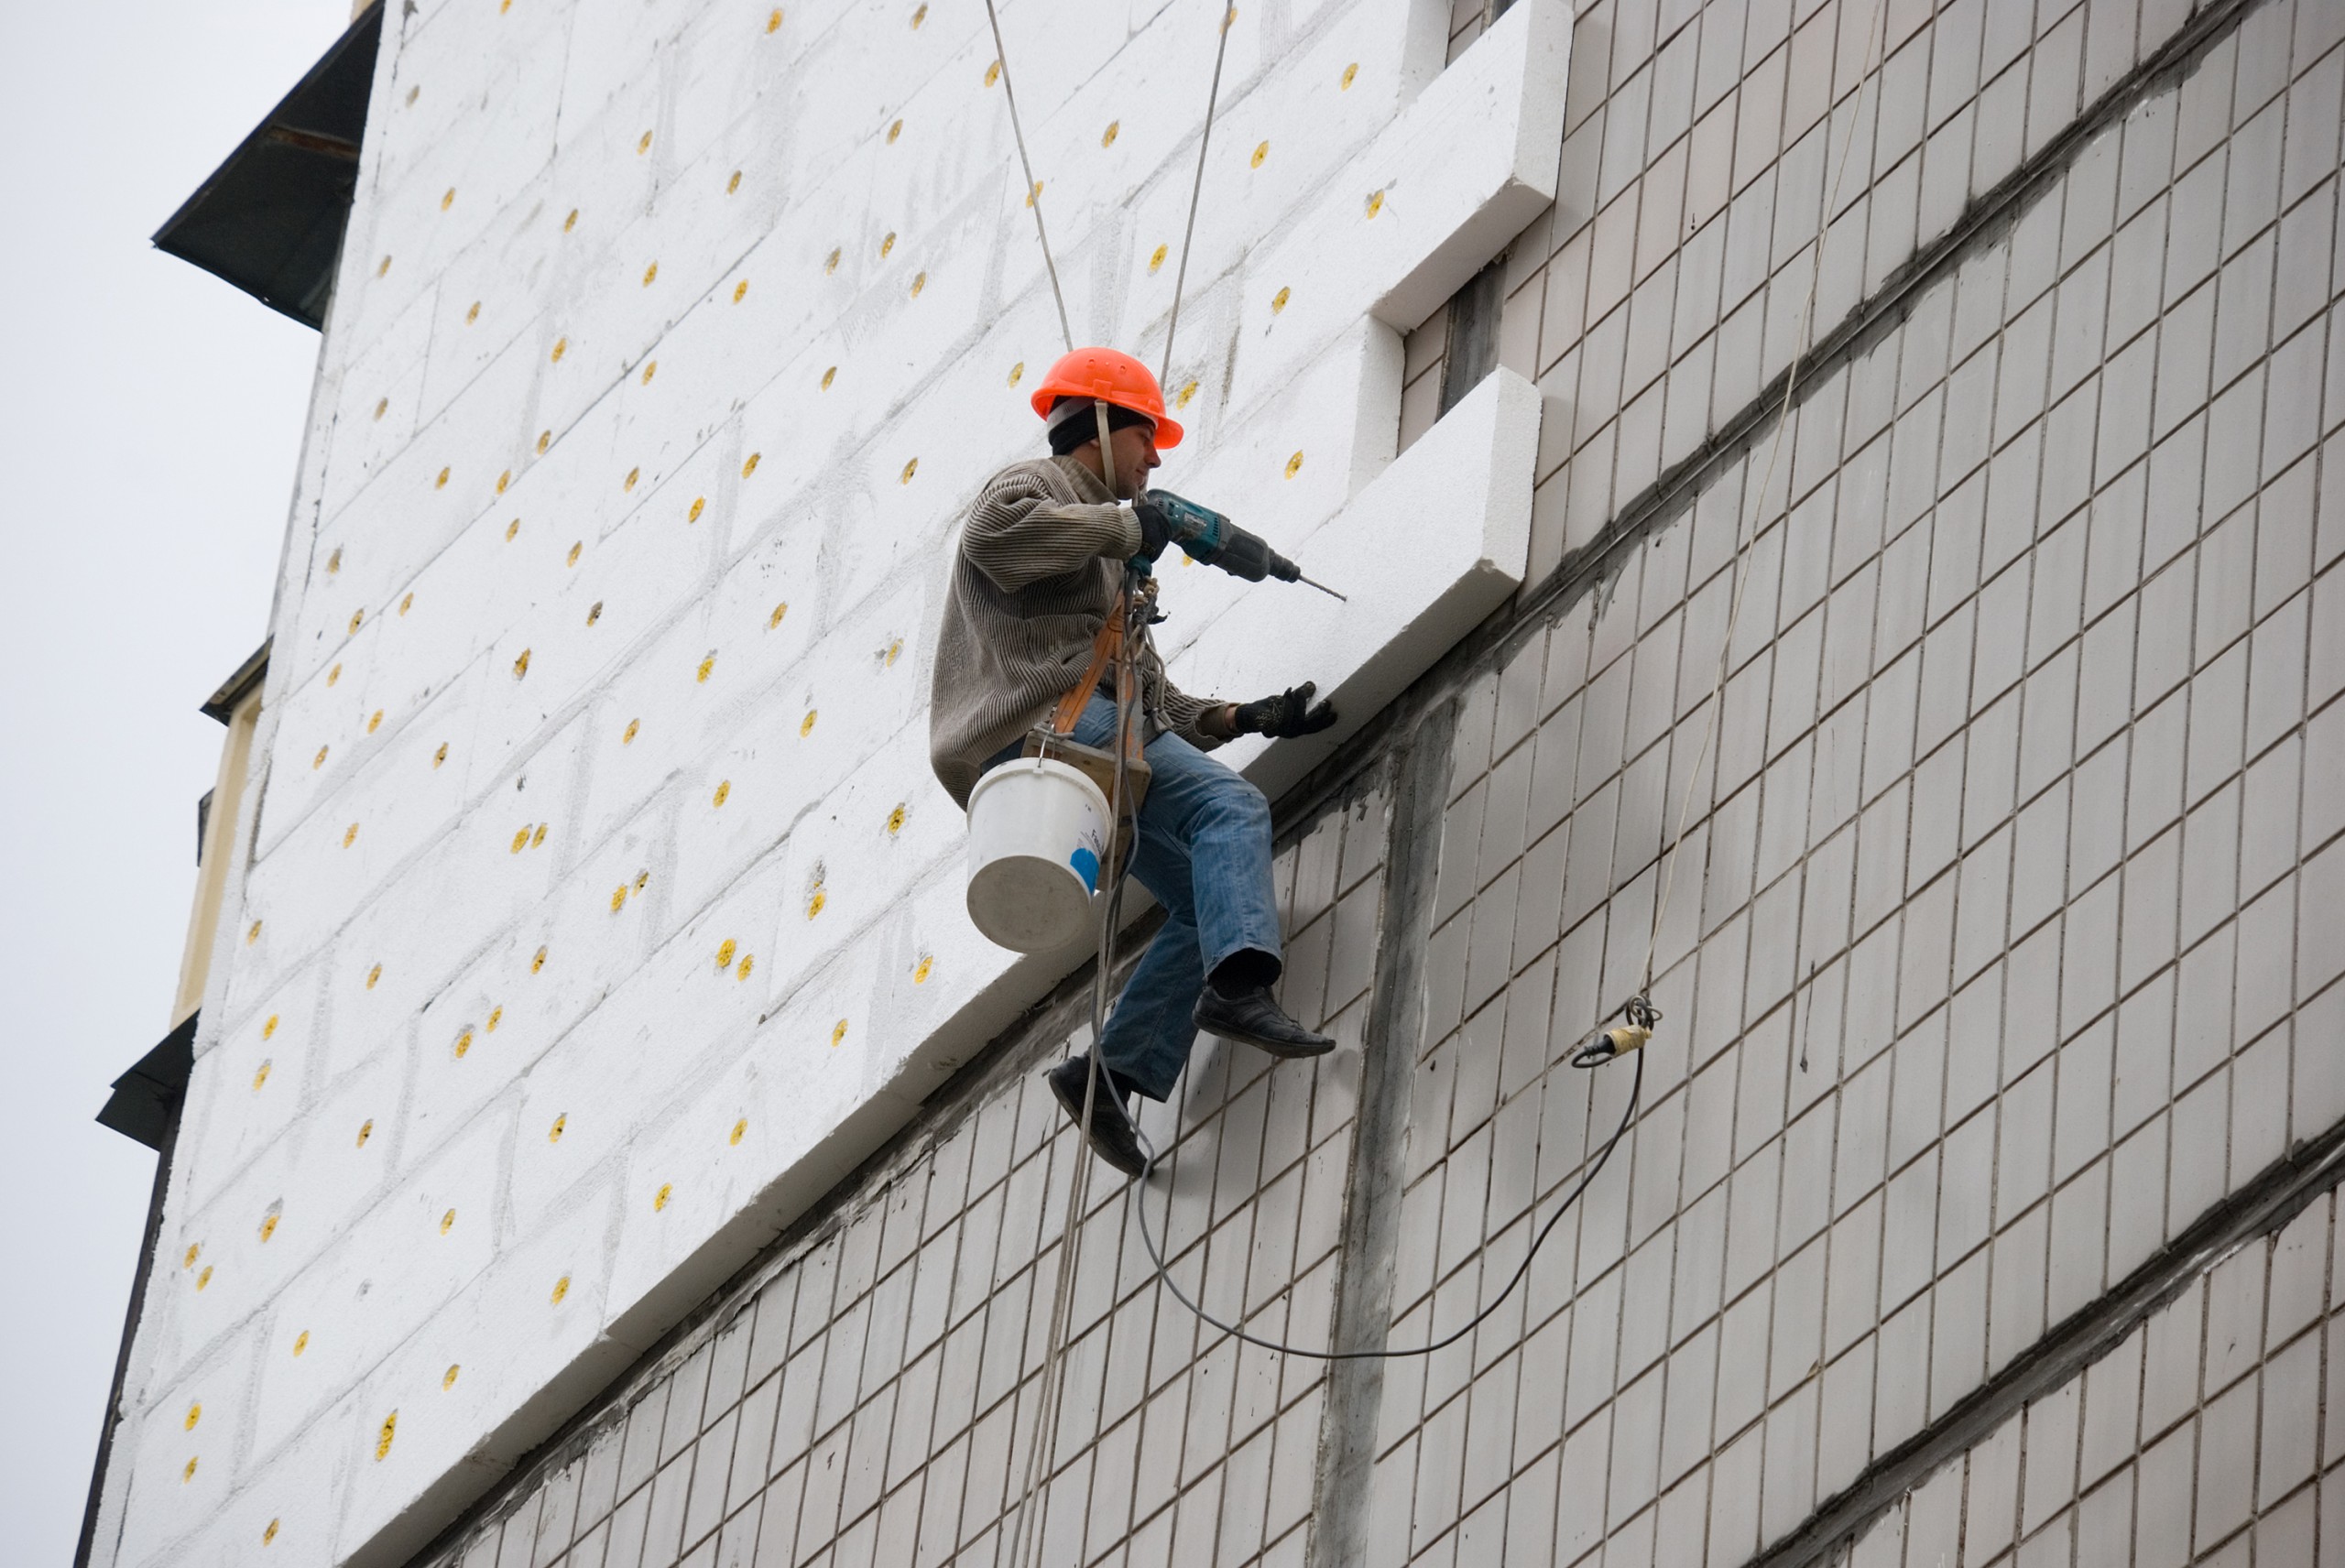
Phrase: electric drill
(1208,537)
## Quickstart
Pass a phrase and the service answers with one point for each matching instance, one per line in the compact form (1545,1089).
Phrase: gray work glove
(1286,715)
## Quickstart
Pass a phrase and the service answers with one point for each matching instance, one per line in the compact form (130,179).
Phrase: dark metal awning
(145,1097)
(270,219)
(221,704)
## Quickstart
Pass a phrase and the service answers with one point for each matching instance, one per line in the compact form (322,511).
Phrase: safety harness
(1055,737)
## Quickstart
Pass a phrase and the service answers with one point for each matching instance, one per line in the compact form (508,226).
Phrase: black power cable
(1139,1190)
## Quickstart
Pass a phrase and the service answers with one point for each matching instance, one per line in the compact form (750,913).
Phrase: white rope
(1196,187)
(1033,187)
(1050,1384)
(1050,1388)
(1046,1383)
(1742,544)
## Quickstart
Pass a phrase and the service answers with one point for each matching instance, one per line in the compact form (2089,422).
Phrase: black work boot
(1111,1134)
(1247,1013)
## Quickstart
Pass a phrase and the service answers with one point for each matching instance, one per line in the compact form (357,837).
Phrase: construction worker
(1038,569)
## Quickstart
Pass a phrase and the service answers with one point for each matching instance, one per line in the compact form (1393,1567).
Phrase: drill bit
(1322,588)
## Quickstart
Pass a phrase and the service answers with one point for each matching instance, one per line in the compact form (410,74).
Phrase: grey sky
(149,420)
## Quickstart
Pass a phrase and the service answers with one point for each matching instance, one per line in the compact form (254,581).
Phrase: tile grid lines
(1675,836)
(1158,1327)
(1361,1315)
(1070,1464)
(1189,1414)
(1799,872)
(2209,1395)
(1649,507)
(1677,488)
(1352,881)
(1627,200)
(1805,857)
(1743,562)
(826,1236)
(2189,694)
(1042,1433)
(2306,1177)
(1757,653)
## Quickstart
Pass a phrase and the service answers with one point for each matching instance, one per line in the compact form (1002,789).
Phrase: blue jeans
(1205,855)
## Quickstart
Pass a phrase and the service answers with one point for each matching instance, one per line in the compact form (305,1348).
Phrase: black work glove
(1286,715)
(1155,528)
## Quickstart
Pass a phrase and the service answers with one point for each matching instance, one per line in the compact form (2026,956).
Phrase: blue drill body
(1212,540)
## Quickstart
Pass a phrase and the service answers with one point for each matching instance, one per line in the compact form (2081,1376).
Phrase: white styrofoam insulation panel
(597,907)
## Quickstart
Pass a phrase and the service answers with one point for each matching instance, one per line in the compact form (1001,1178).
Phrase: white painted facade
(595,909)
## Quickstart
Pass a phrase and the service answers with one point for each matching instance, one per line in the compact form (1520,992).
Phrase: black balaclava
(1073,422)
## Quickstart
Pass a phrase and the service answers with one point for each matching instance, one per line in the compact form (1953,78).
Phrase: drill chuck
(1249,556)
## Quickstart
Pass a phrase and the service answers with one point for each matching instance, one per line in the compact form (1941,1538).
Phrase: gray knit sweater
(1035,574)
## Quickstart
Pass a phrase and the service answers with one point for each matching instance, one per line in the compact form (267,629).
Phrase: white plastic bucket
(1038,836)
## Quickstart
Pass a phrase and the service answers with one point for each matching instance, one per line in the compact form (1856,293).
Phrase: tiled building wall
(2211,1435)
(1665,286)
(2003,942)
(867,1398)
(2002,945)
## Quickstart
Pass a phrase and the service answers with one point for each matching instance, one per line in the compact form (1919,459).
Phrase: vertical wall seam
(1371,1226)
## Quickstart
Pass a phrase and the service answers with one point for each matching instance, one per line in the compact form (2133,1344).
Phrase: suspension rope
(1742,545)
(1196,188)
(1050,1384)
(1034,187)
(1051,1378)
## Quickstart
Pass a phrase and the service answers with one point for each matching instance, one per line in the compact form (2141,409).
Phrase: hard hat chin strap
(1106,445)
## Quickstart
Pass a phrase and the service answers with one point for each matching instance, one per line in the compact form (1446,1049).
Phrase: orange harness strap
(1105,648)
(1099,764)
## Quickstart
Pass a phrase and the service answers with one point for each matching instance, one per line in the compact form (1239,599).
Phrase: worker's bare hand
(1290,713)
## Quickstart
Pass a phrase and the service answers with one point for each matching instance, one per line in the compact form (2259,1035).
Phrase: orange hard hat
(1109,376)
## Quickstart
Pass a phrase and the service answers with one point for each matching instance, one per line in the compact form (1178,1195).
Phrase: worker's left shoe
(1111,1134)
(1250,1014)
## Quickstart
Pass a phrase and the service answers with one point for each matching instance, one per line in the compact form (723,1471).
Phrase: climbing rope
(1050,1385)
(1026,1526)
(1033,186)
(1196,188)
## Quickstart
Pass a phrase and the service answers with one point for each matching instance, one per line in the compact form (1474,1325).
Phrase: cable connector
(1605,1045)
